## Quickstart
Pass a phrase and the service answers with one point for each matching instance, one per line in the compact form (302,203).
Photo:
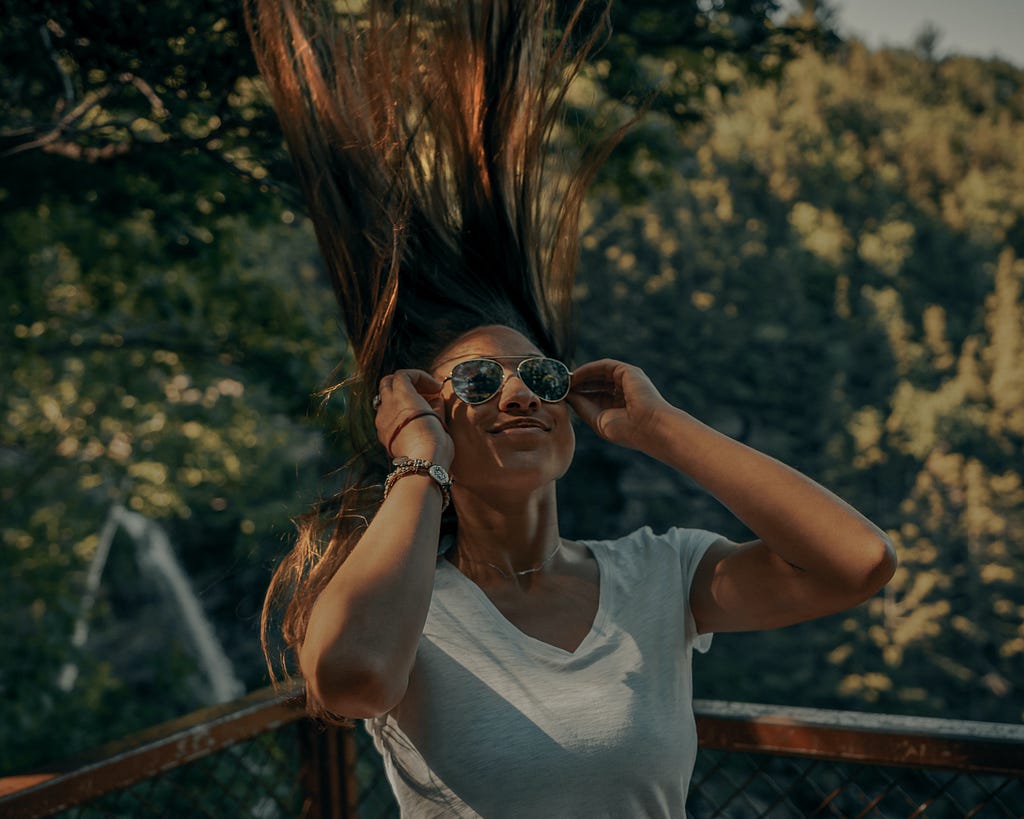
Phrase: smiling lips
(519,423)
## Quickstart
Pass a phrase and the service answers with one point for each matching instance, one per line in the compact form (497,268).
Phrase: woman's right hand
(364,627)
(410,417)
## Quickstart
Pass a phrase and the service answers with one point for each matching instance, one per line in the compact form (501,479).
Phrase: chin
(512,470)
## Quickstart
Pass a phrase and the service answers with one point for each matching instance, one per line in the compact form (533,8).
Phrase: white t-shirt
(498,724)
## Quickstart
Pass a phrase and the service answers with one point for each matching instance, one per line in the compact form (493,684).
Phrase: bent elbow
(887,561)
(879,565)
(355,689)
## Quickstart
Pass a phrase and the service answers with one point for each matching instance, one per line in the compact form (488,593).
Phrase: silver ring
(376,402)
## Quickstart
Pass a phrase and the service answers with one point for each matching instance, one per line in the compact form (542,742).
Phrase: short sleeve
(691,545)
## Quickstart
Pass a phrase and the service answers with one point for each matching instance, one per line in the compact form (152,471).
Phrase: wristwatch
(418,466)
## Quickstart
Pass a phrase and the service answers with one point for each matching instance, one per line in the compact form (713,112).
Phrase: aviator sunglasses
(479,379)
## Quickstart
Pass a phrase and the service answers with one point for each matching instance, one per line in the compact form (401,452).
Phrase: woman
(504,670)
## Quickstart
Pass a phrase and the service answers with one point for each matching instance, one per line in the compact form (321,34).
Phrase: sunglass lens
(477,380)
(547,378)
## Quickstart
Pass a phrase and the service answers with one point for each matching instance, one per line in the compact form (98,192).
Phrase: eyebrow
(472,356)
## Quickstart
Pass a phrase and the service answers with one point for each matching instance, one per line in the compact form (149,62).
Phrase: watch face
(439,474)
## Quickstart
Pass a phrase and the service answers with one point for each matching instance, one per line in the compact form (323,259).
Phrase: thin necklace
(532,570)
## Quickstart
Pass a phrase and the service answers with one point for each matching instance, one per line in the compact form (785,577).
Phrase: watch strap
(418,466)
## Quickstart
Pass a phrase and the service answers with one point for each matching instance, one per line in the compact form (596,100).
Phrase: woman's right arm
(365,626)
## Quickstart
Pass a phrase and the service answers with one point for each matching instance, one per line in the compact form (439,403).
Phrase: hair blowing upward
(503,669)
(421,135)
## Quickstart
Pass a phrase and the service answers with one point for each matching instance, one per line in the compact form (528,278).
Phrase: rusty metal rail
(788,763)
(146,754)
(864,738)
(260,756)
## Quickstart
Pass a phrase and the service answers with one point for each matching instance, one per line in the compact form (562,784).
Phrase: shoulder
(676,539)
(645,551)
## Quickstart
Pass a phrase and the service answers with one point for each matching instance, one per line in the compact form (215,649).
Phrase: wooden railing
(260,756)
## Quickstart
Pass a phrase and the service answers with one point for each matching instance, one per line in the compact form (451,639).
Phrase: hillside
(824,257)
(831,268)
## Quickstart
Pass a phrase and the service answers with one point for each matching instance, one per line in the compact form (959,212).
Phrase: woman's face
(513,441)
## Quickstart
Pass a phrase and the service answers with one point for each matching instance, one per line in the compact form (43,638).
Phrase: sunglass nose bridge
(506,377)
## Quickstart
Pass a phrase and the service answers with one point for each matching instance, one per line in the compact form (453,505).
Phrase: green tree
(819,268)
(164,327)
(816,248)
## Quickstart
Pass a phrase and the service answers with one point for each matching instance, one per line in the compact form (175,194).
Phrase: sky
(982,28)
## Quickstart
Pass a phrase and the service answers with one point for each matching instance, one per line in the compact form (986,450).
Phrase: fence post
(324,772)
(350,756)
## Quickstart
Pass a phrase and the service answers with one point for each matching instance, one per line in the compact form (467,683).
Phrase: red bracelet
(406,422)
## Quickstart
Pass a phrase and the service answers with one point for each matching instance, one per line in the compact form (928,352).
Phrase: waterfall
(69,673)
(156,557)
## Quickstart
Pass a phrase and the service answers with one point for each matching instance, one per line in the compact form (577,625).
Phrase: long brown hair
(421,133)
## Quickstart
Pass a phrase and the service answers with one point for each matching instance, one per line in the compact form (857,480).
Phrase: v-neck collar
(536,645)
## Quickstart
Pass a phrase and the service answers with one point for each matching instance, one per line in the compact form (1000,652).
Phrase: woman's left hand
(618,401)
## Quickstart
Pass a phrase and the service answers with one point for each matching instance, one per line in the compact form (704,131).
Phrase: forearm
(365,626)
(799,520)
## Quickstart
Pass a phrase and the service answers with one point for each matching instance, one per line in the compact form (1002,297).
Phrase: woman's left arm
(814,554)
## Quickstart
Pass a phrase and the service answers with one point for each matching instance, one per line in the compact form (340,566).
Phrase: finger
(421,381)
(406,388)
(604,366)
(437,404)
(593,386)
(585,408)
(602,391)
(596,377)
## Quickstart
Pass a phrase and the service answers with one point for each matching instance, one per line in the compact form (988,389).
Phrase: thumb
(586,408)
(436,403)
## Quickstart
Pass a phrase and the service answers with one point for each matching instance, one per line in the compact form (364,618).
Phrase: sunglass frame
(507,375)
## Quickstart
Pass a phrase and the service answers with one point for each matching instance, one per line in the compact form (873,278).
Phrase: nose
(514,394)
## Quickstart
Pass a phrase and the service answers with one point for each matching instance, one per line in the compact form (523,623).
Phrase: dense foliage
(830,267)
(817,249)
(164,327)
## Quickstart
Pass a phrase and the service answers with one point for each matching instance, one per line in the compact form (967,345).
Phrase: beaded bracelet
(417,466)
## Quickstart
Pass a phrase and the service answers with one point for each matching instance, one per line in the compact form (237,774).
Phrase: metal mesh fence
(729,784)
(269,777)
(736,785)
(258,779)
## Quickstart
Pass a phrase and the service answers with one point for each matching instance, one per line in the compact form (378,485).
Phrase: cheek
(567,441)
(468,440)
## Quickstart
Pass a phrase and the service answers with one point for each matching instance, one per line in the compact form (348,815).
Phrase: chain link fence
(728,784)
(735,785)
(266,761)
(260,779)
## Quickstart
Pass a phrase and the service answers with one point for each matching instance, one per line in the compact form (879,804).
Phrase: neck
(506,540)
